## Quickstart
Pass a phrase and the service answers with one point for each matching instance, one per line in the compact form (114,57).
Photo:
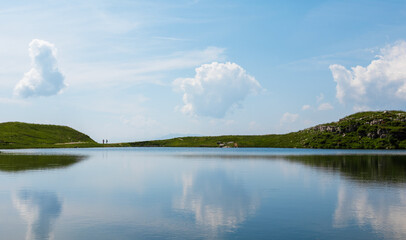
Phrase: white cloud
(44,77)
(216,88)
(325,106)
(381,84)
(306,107)
(289,117)
(320,97)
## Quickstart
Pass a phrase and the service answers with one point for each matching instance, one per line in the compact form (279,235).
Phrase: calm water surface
(182,193)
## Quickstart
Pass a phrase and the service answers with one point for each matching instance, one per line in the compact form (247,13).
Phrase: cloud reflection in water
(39,210)
(384,211)
(217,200)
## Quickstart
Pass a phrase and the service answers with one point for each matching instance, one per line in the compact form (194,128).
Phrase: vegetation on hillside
(364,130)
(26,135)
(369,130)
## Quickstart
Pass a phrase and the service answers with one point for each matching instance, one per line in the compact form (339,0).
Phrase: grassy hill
(26,135)
(364,130)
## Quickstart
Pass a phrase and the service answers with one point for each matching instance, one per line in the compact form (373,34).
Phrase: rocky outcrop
(374,125)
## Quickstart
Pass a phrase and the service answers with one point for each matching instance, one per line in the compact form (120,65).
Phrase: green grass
(26,135)
(364,130)
(288,140)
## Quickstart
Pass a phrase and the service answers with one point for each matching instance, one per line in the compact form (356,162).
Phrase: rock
(376,122)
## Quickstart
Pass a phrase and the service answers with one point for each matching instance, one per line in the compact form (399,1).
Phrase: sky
(142,69)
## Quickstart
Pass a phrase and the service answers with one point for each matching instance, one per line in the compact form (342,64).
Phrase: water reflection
(368,168)
(39,210)
(23,162)
(381,169)
(136,194)
(384,212)
(217,200)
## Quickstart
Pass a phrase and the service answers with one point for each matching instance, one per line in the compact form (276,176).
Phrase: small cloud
(320,97)
(44,77)
(215,89)
(381,84)
(325,107)
(358,108)
(289,117)
(305,107)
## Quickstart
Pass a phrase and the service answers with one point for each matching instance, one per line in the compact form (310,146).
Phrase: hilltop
(385,129)
(28,135)
(363,130)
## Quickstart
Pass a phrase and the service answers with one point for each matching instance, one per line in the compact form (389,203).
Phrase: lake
(202,193)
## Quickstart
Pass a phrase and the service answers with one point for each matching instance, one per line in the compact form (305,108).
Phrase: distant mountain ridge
(363,130)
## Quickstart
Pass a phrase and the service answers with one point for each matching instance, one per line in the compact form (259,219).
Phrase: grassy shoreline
(364,130)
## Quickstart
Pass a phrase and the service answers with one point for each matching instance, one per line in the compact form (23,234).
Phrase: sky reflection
(40,210)
(164,194)
(218,200)
(384,211)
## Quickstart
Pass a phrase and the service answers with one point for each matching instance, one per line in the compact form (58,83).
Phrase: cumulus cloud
(289,117)
(381,84)
(44,77)
(306,107)
(215,89)
(325,106)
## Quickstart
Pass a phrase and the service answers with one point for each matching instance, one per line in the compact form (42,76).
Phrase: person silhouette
(103,141)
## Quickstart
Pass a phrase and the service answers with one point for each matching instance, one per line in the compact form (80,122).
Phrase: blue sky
(136,70)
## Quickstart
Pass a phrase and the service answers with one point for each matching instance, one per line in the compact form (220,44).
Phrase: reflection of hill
(377,168)
(19,162)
